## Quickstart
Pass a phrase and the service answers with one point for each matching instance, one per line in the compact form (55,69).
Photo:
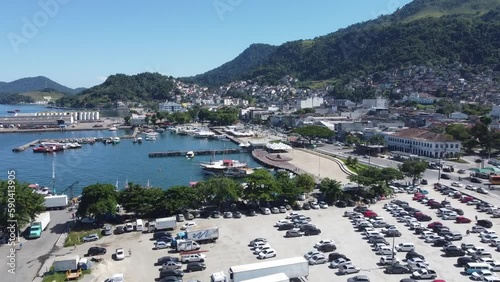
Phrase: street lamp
(319,166)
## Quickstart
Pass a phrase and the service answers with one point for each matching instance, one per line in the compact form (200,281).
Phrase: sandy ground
(317,165)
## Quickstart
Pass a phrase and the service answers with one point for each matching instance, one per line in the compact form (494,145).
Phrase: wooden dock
(25,146)
(196,153)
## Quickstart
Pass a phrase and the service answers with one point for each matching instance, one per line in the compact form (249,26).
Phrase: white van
(472,267)
(139,226)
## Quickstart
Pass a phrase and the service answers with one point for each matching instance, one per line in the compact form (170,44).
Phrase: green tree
(181,197)
(143,202)
(289,190)
(458,131)
(18,201)
(147,119)
(305,182)
(331,189)
(413,169)
(127,120)
(98,200)
(261,187)
(220,191)
(312,132)
(203,115)
(376,139)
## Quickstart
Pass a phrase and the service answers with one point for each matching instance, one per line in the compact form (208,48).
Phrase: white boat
(219,167)
(203,134)
(238,172)
(115,140)
(151,137)
(113,128)
(139,140)
(190,155)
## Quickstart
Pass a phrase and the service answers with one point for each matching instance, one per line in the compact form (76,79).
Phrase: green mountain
(423,32)
(250,58)
(140,88)
(32,84)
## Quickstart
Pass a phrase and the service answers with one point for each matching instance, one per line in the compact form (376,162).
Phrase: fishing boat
(218,168)
(190,155)
(43,148)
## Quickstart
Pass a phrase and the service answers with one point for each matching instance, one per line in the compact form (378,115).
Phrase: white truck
(207,235)
(293,268)
(187,258)
(162,224)
(66,263)
(56,202)
(39,224)
(185,245)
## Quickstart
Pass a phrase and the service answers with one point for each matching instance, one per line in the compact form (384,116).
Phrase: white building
(170,107)
(136,119)
(423,143)
(421,98)
(495,116)
(311,102)
(458,116)
(378,102)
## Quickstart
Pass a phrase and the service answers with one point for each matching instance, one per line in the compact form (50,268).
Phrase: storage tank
(97,115)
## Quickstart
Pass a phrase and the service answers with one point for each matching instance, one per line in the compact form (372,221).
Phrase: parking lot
(231,249)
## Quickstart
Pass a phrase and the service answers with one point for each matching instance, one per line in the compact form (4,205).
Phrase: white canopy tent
(278,147)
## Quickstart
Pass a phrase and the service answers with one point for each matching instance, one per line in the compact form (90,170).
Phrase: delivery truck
(66,263)
(57,202)
(162,224)
(293,268)
(202,236)
(39,224)
(185,245)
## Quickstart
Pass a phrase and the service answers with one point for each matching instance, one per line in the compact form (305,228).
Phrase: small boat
(47,148)
(17,111)
(134,140)
(113,128)
(139,140)
(160,130)
(115,140)
(150,137)
(11,112)
(190,155)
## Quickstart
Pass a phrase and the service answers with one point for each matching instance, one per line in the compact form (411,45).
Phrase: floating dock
(196,153)
(25,146)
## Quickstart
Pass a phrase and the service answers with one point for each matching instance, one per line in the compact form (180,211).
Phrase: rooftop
(422,134)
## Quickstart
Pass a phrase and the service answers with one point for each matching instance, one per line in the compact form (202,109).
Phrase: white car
(488,238)
(456,184)
(129,227)
(473,202)
(317,259)
(405,247)
(314,205)
(116,278)
(424,274)
(348,269)
(478,229)
(471,187)
(162,245)
(119,254)
(257,251)
(414,261)
(282,222)
(324,242)
(292,214)
(323,205)
(270,253)
(339,262)
(312,253)
(188,225)
(388,260)
(479,275)
(431,238)
(487,232)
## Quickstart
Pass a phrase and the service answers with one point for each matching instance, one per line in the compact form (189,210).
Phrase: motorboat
(151,137)
(139,140)
(190,155)
(115,140)
(113,128)
(48,148)
(238,172)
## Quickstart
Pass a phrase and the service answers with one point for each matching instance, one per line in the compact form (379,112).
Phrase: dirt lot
(231,248)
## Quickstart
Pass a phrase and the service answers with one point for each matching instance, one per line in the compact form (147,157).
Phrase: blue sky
(79,43)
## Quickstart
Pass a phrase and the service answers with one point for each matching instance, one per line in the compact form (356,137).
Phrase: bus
(495,179)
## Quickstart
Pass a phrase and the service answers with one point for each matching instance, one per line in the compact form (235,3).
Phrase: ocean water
(100,163)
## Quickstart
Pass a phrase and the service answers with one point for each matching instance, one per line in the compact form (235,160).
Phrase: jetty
(25,146)
(196,153)
(134,134)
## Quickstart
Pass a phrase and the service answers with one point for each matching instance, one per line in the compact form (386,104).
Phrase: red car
(466,199)
(370,213)
(462,219)
(418,197)
(434,224)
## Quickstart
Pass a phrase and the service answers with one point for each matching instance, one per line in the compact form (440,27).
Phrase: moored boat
(139,140)
(190,155)
(47,148)
(113,128)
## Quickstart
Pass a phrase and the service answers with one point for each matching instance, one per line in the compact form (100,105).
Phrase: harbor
(195,152)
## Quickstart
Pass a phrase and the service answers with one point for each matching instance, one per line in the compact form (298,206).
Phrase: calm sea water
(100,163)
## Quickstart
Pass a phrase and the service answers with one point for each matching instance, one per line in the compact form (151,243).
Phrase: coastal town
(250,141)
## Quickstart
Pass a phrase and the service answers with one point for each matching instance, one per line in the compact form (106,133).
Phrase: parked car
(119,254)
(257,240)
(348,269)
(388,260)
(358,278)
(424,274)
(161,245)
(475,180)
(270,253)
(119,230)
(334,256)
(90,238)
(317,259)
(485,223)
(171,265)
(188,225)
(171,272)
(195,266)
(397,269)
(339,261)
(236,214)
(312,231)
(96,251)
(445,176)
(462,219)
(293,233)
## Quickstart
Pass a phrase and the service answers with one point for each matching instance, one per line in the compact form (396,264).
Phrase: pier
(134,134)
(25,146)
(196,153)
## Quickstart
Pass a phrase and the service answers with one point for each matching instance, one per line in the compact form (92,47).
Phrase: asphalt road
(431,175)
(29,260)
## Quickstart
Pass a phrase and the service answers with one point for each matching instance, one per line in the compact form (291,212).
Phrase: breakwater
(196,153)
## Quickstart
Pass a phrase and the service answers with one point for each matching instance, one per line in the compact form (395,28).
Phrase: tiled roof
(422,134)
